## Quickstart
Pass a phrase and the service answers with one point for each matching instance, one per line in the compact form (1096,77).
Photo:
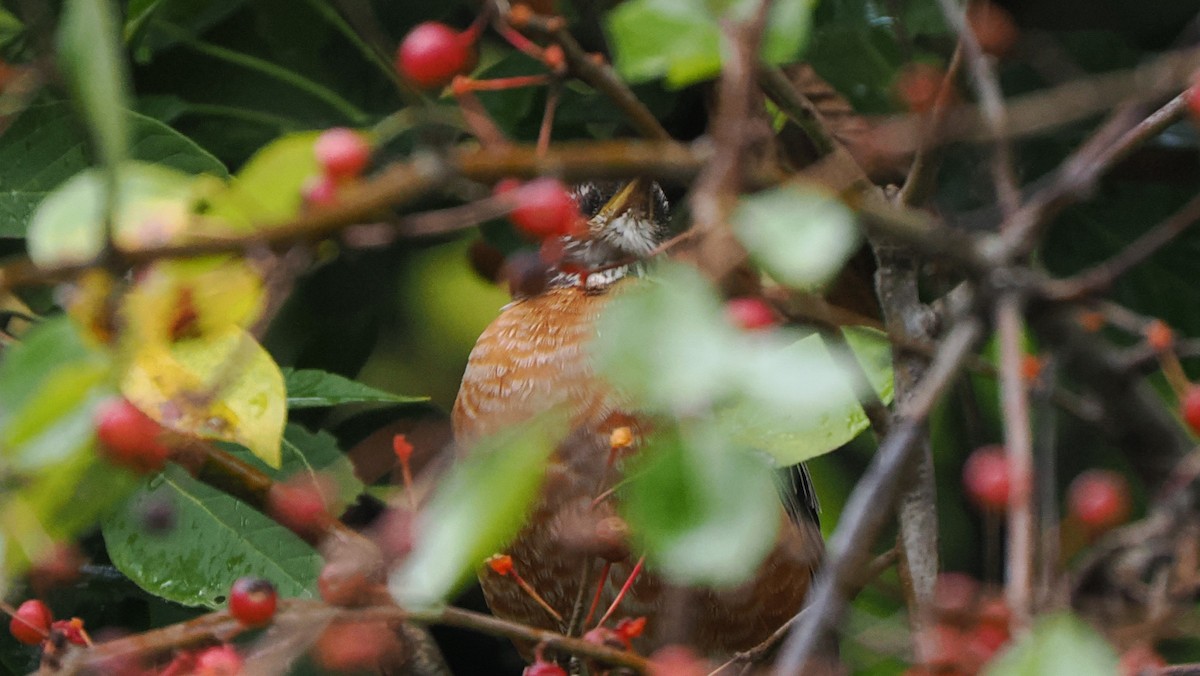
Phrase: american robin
(534,357)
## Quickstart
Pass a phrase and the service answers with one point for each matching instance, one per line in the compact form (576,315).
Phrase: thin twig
(599,75)
(1101,276)
(221,626)
(869,504)
(1077,176)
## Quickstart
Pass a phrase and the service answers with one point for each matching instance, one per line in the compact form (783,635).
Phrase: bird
(534,357)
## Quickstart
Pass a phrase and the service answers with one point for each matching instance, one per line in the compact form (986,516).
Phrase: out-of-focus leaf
(681,39)
(215,539)
(50,384)
(91,56)
(191,15)
(269,187)
(223,386)
(1058,644)
(198,297)
(800,235)
(312,388)
(477,509)
(826,414)
(59,505)
(666,343)
(45,146)
(705,512)
(150,207)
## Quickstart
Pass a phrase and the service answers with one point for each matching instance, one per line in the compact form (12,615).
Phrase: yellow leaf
(192,298)
(221,386)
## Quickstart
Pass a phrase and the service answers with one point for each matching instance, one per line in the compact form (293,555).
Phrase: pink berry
(432,54)
(988,478)
(222,660)
(129,437)
(1099,499)
(319,191)
(544,208)
(342,153)
(750,313)
(1191,408)
(31,623)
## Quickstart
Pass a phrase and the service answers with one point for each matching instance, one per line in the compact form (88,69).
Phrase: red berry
(354,646)
(342,153)
(540,668)
(129,437)
(319,191)
(1140,659)
(750,313)
(917,86)
(544,208)
(32,622)
(432,54)
(1099,499)
(252,601)
(222,660)
(300,505)
(677,660)
(1191,408)
(954,595)
(988,478)
(993,27)
(1192,99)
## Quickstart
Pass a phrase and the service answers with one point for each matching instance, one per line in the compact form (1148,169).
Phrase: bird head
(625,223)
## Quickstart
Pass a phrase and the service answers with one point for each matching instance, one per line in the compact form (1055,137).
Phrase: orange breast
(533,357)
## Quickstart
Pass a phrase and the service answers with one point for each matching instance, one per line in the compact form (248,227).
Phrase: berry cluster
(33,624)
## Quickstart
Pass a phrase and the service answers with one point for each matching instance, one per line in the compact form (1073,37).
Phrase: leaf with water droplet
(215,540)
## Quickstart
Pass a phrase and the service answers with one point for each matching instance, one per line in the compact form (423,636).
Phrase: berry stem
(528,589)
(543,142)
(599,590)
(406,475)
(637,569)
(1173,371)
(476,115)
(519,41)
(466,84)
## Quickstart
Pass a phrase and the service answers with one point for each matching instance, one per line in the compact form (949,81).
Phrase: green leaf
(476,510)
(681,39)
(704,512)
(69,226)
(801,235)
(269,187)
(50,385)
(45,146)
(312,453)
(1058,644)
(311,388)
(215,540)
(91,56)
(666,343)
(801,430)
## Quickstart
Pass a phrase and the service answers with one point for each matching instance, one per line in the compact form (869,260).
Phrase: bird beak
(634,197)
